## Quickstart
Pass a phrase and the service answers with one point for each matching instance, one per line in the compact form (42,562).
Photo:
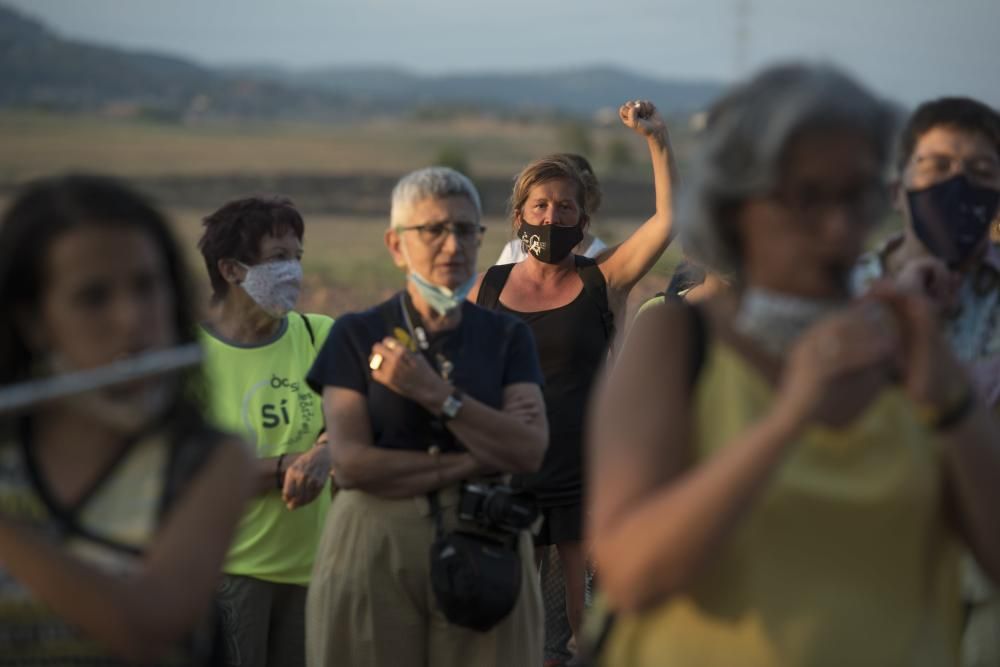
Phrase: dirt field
(35,144)
(339,176)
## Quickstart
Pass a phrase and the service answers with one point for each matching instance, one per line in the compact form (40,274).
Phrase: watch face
(451,407)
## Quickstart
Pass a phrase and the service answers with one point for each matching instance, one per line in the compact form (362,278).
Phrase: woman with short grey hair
(778,472)
(426,559)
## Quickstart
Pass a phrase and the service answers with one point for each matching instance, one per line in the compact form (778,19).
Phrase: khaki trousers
(370,602)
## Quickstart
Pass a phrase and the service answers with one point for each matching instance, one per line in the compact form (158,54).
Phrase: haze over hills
(41,69)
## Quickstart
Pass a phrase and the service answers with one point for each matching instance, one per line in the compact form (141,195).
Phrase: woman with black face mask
(572,305)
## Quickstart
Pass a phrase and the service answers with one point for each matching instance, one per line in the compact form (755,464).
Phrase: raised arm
(141,615)
(655,513)
(624,264)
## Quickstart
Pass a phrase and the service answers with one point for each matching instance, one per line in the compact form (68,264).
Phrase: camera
(497,507)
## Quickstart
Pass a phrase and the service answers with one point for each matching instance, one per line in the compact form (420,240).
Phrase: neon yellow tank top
(844,560)
(260,394)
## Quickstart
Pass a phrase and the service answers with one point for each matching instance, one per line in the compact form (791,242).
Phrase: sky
(908,50)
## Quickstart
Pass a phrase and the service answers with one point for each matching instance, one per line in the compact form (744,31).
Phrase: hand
(860,338)
(931,375)
(643,118)
(408,374)
(930,278)
(307,475)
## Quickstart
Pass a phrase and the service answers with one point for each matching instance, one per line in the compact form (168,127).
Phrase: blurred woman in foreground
(116,506)
(778,472)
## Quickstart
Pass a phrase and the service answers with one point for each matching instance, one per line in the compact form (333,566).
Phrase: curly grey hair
(744,140)
(437,182)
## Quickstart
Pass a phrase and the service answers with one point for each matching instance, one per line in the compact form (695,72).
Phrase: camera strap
(418,333)
(435,506)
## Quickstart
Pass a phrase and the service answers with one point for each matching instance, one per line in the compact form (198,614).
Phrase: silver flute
(17,397)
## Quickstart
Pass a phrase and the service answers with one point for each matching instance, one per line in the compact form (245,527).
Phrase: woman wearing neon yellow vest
(257,353)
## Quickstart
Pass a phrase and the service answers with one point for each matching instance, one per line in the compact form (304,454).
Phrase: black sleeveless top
(573,343)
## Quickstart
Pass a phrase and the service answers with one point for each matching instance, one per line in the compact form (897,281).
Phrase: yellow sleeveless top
(844,560)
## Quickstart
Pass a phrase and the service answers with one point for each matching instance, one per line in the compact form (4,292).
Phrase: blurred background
(329,102)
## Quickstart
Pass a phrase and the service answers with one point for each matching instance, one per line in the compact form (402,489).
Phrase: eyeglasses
(939,167)
(434,233)
(866,203)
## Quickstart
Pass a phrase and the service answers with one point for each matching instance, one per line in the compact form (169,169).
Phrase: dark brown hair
(236,230)
(962,113)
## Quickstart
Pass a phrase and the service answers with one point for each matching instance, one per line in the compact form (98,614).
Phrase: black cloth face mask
(550,243)
(953,217)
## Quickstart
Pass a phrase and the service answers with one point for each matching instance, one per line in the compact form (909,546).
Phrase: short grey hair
(740,150)
(436,182)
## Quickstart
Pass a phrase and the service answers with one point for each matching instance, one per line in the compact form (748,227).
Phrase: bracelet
(279,474)
(954,414)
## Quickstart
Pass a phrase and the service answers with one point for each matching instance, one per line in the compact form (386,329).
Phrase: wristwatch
(451,406)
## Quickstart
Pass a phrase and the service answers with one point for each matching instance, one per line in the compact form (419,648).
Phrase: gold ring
(375,362)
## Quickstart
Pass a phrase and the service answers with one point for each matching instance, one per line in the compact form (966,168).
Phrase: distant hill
(39,68)
(580,91)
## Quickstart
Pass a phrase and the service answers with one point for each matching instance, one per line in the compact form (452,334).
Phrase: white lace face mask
(274,286)
(774,320)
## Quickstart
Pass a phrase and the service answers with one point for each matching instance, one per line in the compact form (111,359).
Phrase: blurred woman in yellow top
(778,472)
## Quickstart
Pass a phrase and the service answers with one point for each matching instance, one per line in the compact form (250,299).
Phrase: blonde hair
(549,168)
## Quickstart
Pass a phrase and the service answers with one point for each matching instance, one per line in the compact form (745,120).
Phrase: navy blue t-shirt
(488,351)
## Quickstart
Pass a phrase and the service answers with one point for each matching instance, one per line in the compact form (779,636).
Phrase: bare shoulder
(639,432)
(664,325)
(650,381)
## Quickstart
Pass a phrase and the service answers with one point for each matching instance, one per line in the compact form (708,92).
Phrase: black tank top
(572,343)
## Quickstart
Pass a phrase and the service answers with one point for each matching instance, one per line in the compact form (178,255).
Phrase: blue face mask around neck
(441,299)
